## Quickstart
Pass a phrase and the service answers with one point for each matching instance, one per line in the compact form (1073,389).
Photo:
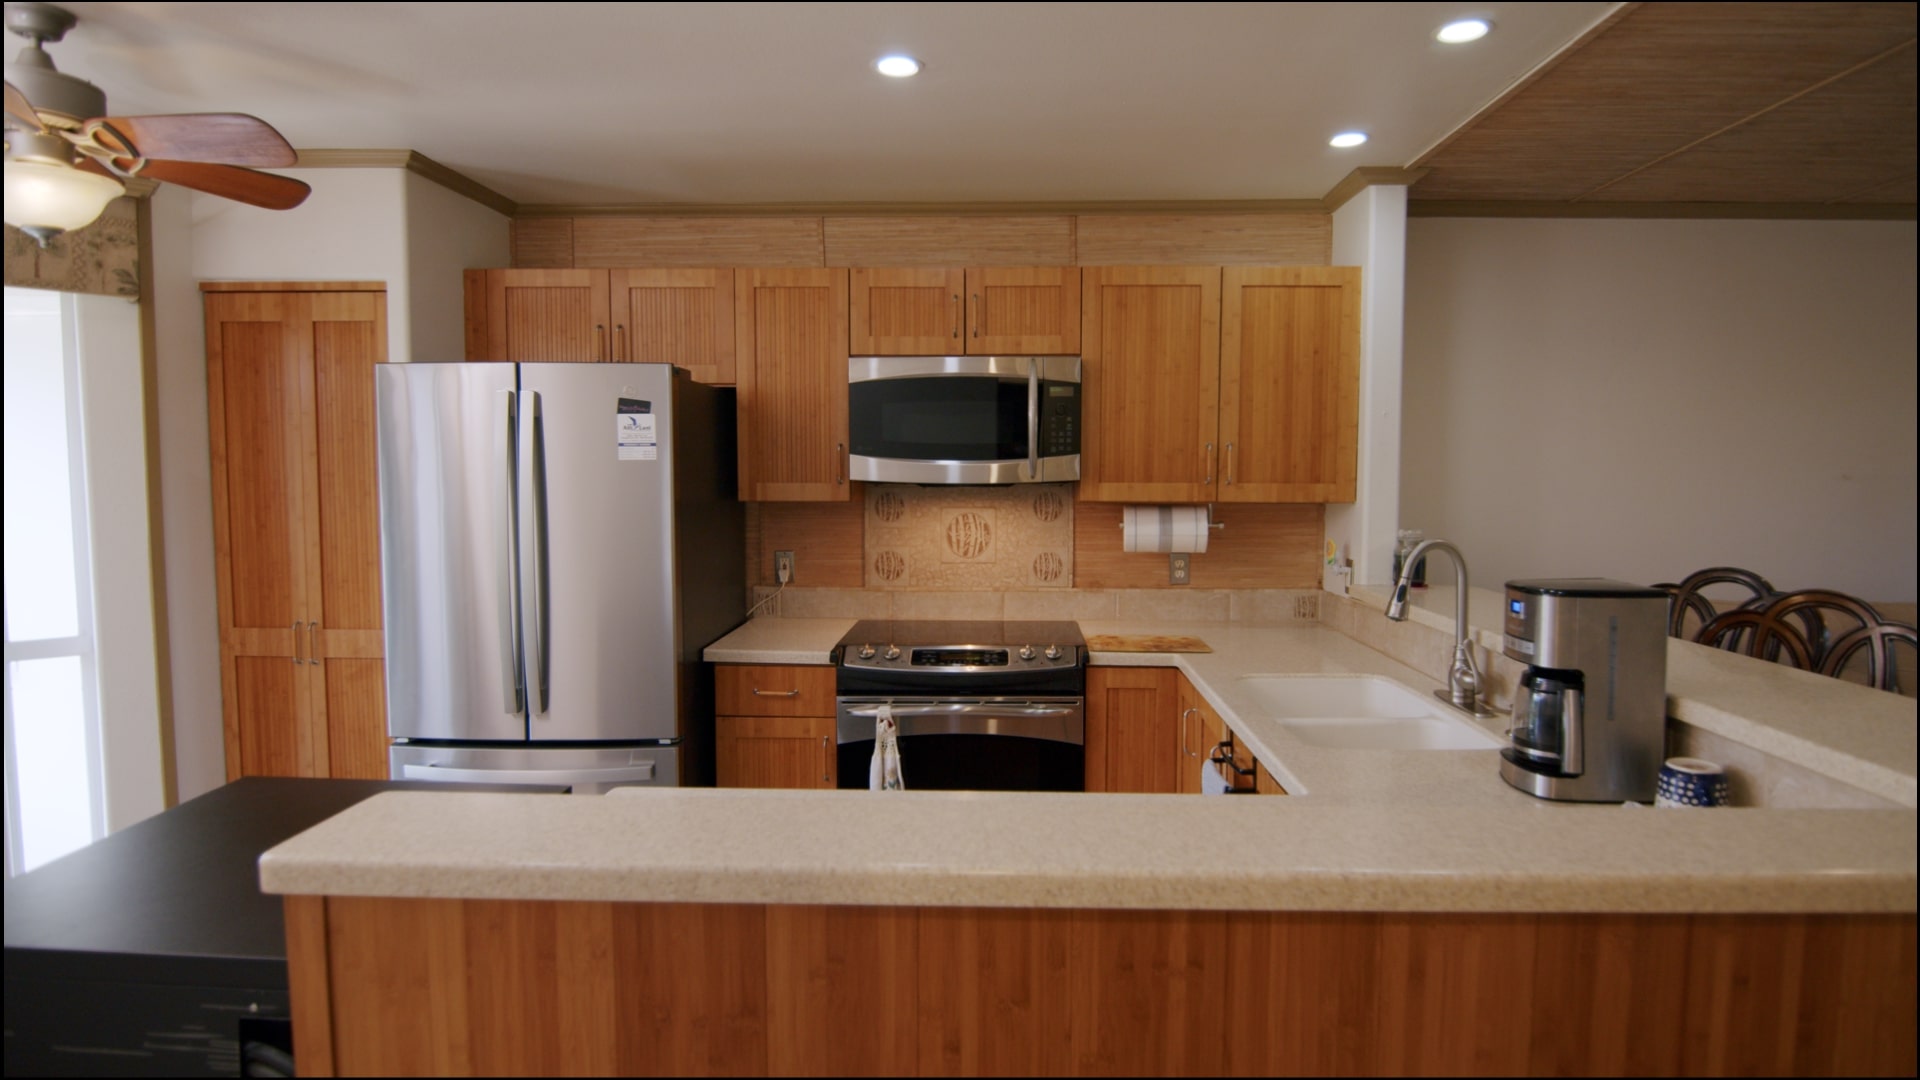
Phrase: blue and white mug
(1691,782)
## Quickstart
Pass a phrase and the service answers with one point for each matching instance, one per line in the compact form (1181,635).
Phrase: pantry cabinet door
(1023,311)
(1289,384)
(906,312)
(679,317)
(1150,373)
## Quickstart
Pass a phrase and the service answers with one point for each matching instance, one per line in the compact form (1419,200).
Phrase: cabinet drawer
(774,690)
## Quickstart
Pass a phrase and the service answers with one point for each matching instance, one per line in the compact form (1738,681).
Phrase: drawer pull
(757,692)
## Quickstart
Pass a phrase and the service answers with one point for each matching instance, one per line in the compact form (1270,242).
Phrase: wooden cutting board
(1145,643)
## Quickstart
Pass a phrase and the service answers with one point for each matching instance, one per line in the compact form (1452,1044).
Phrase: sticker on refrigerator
(634,437)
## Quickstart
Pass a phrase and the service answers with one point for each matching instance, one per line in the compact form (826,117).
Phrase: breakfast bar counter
(1407,912)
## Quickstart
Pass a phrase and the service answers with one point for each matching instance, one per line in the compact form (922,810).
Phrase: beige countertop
(1368,831)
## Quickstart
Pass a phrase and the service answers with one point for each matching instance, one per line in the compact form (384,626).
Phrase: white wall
(352,228)
(1369,231)
(446,233)
(1640,399)
(186,498)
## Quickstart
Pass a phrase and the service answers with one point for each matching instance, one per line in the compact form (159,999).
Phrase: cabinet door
(346,337)
(1191,745)
(774,689)
(545,315)
(1029,310)
(775,751)
(790,335)
(905,312)
(1290,383)
(1151,400)
(255,403)
(297,551)
(681,317)
(1133,740)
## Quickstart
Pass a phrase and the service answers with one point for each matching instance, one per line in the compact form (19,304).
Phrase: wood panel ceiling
(1802,104)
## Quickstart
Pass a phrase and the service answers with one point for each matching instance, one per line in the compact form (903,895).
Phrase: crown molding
(905,209)
(1483,208)
(414,162)
(1367,176)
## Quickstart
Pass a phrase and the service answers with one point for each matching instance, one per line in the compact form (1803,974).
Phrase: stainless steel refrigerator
(558,542)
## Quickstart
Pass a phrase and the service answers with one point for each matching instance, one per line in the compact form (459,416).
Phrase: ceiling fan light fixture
(1461,31)
(1347,140)
(897,65)
(45,194)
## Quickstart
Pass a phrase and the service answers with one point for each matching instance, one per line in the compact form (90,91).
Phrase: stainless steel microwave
(963,419)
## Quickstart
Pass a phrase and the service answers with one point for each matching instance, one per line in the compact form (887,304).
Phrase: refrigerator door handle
(637,773)
(514,689)
(539,658)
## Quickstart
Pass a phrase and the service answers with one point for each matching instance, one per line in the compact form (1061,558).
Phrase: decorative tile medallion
(969,538)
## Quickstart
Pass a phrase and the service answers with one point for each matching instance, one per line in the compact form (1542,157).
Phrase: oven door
(963,419)
(970,744)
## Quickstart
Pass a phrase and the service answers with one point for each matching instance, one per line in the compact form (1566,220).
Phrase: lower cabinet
(775,726)
(1150,731)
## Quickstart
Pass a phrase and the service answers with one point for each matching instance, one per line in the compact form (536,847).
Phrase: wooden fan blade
(260,189)
(22,110)
(210,138)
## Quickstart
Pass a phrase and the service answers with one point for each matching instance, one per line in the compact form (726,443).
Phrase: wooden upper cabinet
(1150,345)
(790,340)
(1023,311)
(681,317)
(540,315)
(906,312)
(296,532)
(1289,383)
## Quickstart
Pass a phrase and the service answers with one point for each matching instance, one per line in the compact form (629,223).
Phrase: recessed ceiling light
(1348,139)
(1463,31)
(898,67)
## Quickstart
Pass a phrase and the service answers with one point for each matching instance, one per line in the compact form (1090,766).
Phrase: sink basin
(1363,712)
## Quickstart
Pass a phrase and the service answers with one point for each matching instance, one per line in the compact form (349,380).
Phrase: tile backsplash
(1259,606)
(974,538)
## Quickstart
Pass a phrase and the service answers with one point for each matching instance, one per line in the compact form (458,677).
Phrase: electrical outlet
(1179,572)
(783,566)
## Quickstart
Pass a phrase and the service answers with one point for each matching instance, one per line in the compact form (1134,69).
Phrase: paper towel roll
(1164,528)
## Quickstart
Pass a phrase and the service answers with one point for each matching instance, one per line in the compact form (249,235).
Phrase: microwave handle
(1033,418)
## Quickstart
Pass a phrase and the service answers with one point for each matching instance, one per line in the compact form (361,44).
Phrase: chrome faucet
(1463,677)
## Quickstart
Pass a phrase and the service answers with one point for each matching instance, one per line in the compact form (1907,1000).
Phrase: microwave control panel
(1059,419)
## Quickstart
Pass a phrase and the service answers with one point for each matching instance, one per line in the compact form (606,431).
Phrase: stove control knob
(866,652)
(893,652)
(1026,652)
(1053,652)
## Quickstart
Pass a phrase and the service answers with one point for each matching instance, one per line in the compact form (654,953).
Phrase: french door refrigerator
(558,542)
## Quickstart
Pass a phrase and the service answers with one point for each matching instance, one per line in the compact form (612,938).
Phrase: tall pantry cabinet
(296,525)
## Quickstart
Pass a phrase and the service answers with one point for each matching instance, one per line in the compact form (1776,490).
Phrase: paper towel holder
(1179,563)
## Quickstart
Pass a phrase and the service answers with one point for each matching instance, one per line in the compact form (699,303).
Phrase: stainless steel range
(981,706)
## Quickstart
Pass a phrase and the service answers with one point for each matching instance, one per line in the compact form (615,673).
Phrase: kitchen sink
(1363,712)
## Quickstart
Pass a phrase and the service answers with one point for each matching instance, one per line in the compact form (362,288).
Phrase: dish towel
(1211,780)
(885,773)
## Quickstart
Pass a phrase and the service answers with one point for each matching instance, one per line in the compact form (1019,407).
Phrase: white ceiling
(608,103)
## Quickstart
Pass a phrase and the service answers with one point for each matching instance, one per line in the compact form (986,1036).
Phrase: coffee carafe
(1590,712)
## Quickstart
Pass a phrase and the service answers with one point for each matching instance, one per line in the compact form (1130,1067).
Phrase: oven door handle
(1053,722)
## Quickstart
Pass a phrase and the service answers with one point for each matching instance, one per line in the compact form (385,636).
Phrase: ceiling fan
(65,159)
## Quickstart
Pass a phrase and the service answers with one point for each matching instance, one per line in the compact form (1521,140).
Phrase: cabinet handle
(826,758)
(839,463)
(1206,456)
(1183,732)
(296,641)
(979,313)
(956,314)
(313,643)
(1229,464)
(757,692)
(620,341)
(600,341)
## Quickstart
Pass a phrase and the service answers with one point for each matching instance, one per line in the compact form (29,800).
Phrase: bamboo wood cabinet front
(673,316)
(978,311)
(1234,385)
(775,726)
(296,533)
(520,988)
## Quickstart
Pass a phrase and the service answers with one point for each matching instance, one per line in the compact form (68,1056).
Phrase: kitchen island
(1407,912)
